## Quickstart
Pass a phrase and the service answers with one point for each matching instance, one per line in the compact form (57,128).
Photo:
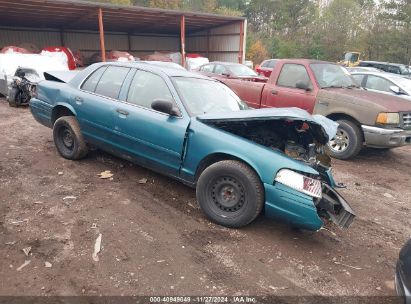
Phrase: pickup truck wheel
(230,193)
(348,141)
(68,138)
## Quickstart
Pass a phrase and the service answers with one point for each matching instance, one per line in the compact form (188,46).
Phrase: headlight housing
(388,119)
(299,182)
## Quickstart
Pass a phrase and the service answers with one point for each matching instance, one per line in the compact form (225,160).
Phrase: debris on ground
(10,243)
(69,197)
(278,288)
(93,226)
(27,251)
(349,266)
(60,173)
(142,181)
(106,174)
(387,195)
(48,264)
(23,265)
(97,248)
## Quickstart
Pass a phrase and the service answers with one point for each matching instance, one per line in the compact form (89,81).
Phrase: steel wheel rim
(67,138)
(227,195)
(340,142)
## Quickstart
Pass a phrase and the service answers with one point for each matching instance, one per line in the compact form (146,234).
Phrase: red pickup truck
(365,118)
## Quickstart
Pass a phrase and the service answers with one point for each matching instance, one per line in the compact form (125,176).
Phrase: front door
(154,139)
(285,92)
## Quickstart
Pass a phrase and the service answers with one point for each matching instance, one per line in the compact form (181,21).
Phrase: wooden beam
(183,40)
(101,30)
(241,46)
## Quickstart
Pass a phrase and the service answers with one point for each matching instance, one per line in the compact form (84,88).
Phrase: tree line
(317,29)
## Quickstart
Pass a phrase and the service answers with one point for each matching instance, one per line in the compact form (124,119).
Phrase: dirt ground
(156,241)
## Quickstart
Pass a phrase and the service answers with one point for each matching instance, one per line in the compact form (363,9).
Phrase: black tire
(12,97)
(349,133)
(68,138)
(230,193)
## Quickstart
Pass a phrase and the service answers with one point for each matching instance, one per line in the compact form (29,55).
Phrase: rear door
(378,84)
(284,93)
(95,101)
(153,138)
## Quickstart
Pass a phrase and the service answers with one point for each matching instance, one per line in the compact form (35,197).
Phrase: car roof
(381,62)
(224,63)
(168,71)
(382,74)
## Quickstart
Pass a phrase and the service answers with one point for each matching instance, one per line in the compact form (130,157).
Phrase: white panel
(225,43)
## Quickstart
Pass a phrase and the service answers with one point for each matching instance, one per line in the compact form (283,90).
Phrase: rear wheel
(68,138)
(13,97)
(348,141)
(230,193)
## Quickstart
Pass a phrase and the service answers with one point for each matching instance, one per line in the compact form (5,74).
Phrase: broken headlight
(299,182)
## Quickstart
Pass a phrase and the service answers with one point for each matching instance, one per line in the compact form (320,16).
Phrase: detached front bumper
(301,211)
(386,138)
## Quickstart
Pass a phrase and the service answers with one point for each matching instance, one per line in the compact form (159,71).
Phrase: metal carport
(92,27)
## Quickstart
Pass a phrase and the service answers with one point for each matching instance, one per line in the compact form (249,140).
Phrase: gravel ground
(155,240)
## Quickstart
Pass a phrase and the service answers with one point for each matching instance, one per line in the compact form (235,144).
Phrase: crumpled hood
(323,128)
(389,102)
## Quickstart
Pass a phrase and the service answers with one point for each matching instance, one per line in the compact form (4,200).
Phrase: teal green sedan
(242,162)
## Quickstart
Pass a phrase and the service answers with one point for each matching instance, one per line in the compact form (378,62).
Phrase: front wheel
(230,193)
(348,141)
(68,138)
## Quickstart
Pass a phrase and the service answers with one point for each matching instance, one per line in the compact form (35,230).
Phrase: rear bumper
(400,287)
(386,138)
(41,111)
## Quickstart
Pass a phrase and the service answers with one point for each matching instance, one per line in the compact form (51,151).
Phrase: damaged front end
(298,197)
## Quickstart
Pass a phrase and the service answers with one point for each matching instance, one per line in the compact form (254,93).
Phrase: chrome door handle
(274,92)
(122,112)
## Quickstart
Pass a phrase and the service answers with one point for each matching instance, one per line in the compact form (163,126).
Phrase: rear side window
(291,74)
(358,78)
(207,68)
(147,87)
(271,64)
(219,69)
(91,83)
(111,81)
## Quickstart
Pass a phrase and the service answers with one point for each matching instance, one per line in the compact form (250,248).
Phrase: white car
(386,83)
(33,64)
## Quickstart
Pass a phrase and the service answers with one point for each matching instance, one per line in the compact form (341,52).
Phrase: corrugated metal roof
(74,14)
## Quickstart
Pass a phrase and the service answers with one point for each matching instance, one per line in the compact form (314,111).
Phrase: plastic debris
(47,264)
(97,248)
(10,243)
(142,181)
(70,197)
(60,173)
(387,195)
(93,226)
(106,174)
(23,265)
(27,251)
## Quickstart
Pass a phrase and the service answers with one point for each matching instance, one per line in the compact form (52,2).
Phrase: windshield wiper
(332,87)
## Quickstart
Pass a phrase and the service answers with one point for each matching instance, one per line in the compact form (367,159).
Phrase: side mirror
(395,89)
(226,75)
(165,106)
(302,85)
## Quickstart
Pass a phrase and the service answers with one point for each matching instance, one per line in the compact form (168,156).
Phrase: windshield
(332,76)
(404,83)
(206,96)
(241,70)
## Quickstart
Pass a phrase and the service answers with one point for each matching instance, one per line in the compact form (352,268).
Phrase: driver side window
(147,87)
(291,74)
